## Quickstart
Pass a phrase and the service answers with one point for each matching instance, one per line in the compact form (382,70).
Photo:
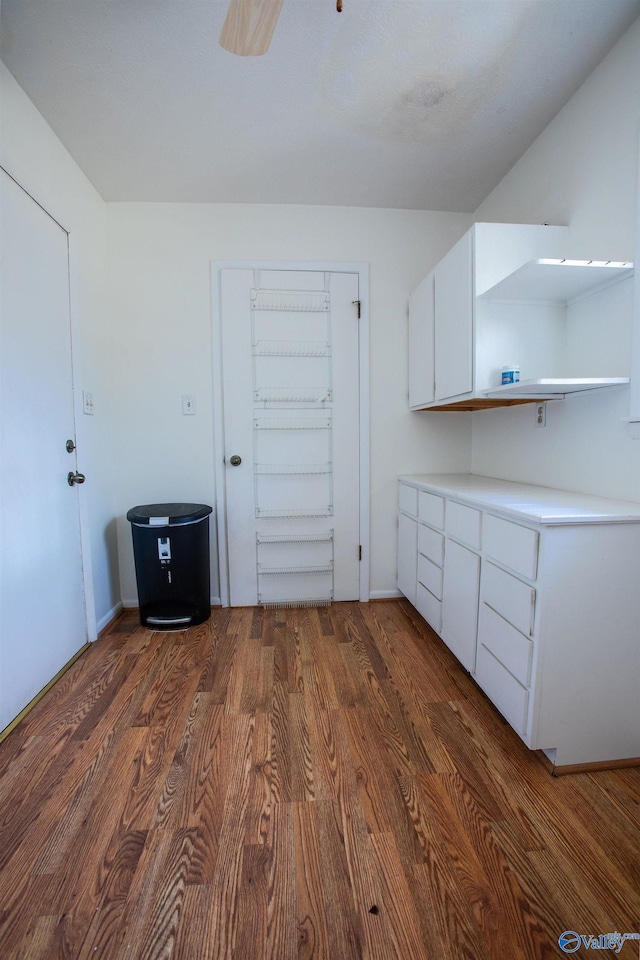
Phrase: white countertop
(527,500)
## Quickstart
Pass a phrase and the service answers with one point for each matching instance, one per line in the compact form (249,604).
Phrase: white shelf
(294,538)
(300,301)
(318,568)
(557,281)
(294,513)
(292,395)
(552,389)
(284,423)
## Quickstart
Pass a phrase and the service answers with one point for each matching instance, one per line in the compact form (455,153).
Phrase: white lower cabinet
(510,597)
(429,606)
(460,602)
(508,645)
(407,556)
(540,603)
(431,544)
(509,696)
(430,576)
(464,524)
(511,545)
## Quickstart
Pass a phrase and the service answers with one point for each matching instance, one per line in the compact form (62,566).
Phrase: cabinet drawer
(431,544)
(430,608)
(431,509)
(430,576)
(464,523)
(509,696)
(408,499)
(511,544)
(511,598)
(508,645)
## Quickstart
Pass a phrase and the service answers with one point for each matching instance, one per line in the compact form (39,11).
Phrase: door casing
(362,270)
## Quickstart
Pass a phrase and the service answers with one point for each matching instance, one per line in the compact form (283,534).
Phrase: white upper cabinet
(454,321)
(504,295)
(421,340)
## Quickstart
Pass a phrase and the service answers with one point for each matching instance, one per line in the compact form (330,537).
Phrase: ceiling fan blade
(249,26)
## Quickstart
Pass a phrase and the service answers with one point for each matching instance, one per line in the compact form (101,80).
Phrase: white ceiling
(423,104)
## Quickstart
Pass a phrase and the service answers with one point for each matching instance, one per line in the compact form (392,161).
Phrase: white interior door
(42,615)
(291,428)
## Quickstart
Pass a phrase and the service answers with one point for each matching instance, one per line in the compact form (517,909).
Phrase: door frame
(323,266)
(49,206)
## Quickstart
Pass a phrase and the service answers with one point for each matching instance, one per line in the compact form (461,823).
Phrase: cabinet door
(407,557)
(421,343)
(460,602)
(454,321)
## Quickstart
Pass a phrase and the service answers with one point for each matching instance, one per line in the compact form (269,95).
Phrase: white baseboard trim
(108,617)
(385,594)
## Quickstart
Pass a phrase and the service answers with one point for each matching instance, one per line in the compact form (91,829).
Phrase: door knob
(235,460)
(75,478)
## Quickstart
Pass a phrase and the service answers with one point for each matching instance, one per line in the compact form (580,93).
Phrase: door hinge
(359,303)
(360,552)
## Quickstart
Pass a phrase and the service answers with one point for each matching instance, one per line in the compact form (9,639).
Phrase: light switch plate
(87,403)
(188,404)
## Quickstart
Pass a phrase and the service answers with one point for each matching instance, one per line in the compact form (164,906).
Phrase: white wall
(32,154)
(161,325)
(581,171)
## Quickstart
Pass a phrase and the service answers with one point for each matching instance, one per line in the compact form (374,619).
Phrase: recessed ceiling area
(419,104)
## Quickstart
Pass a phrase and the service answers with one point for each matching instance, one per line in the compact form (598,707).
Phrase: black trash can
(171,550)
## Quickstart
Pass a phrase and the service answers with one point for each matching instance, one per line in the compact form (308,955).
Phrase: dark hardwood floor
(324,783)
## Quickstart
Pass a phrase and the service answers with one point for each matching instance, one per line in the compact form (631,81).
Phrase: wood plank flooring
(319,784)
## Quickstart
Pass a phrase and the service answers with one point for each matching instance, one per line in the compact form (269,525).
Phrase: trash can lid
(172,514)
